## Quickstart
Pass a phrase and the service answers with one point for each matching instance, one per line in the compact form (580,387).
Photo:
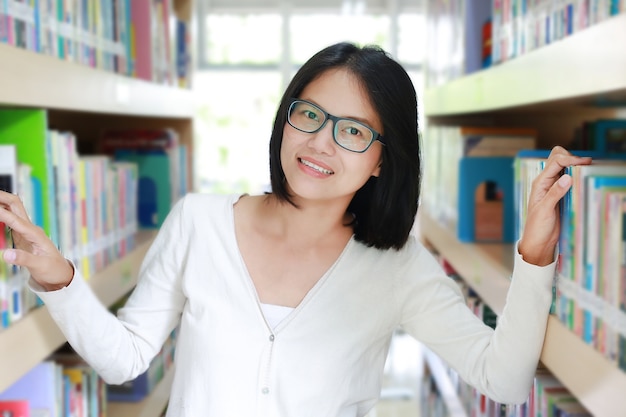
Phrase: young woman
(287,301)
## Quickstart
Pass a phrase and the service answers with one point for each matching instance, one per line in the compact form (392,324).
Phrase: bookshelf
(68,86)
(582,70)
(86,101)
(35,336)
(553,89)
(597,383)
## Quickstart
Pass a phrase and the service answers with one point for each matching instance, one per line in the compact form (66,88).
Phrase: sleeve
(120,348)
(502,363)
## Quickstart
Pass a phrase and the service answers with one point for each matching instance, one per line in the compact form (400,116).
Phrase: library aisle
(403,374)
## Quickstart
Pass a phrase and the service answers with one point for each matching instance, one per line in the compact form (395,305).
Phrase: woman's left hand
(542,227)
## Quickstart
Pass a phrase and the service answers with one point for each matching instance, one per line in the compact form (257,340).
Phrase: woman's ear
(376,171)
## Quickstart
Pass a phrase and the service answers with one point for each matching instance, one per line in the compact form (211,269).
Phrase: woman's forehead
(341,93)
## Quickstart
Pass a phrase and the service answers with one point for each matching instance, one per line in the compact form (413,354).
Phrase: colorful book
(575,227)
(594,282)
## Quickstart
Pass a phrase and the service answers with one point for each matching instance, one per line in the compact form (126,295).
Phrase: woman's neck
(310,221)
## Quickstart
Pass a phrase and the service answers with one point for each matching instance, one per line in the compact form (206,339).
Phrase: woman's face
(315,166)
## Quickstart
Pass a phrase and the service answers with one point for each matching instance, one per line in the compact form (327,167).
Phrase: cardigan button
(271,338)
(265,391)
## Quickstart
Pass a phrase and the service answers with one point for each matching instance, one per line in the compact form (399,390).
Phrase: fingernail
(564,181)
(9,255)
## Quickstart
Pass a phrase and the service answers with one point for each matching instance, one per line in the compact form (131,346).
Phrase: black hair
(385,207)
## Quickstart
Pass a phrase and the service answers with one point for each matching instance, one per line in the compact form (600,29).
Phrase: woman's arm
(118,349)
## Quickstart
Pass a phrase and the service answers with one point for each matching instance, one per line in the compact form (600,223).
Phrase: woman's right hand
(32,249)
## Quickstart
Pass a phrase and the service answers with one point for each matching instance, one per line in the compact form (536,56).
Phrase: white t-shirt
(274,314)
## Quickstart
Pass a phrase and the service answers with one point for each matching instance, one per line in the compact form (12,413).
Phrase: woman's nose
(322,140)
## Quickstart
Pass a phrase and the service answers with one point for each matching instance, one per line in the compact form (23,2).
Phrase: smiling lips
(315,167)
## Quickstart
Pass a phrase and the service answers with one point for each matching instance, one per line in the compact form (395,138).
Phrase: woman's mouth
(315,167)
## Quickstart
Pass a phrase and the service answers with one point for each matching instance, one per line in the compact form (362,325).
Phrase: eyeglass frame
(327,116)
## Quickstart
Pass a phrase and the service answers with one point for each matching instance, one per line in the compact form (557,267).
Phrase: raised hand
(32,248)
(541,230)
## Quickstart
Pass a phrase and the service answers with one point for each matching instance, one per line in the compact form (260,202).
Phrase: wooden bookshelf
(85,101)
(586,69)
(35,80)
(152,406)
(35,336)
(597,383)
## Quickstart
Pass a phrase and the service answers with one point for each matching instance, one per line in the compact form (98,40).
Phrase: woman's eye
(353,130)
(311,115)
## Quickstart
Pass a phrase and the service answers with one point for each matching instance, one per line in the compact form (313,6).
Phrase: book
(159,156)
(15,408)
(11,306)
(39,387)
(85,390)
(154,193)
(610,270)
(609,136)
(621,360)
(183,54)
(575,235)
(8,168)
(570,409)
(4,22)
(594,281)
(476,14)
(153,141)
(496,141)
(17,124)
(150,28)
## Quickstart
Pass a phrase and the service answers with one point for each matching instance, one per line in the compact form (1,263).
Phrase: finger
(18,257)
(558,190)
(14,203)
(559,159)
(18,224)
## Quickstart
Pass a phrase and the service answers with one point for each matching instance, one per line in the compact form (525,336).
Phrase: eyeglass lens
(347,133)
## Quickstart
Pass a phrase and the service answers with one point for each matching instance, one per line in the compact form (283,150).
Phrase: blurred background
(248,50)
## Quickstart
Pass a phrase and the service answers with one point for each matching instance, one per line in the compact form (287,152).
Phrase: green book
(28,129)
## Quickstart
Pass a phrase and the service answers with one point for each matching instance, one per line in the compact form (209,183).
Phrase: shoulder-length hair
(384,208)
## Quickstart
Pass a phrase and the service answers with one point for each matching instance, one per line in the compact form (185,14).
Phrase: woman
(287,301)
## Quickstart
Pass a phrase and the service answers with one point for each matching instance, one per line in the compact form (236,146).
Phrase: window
(243,39)
(242,71)
(310,33)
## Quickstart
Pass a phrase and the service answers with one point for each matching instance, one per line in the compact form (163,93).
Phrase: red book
(16,408)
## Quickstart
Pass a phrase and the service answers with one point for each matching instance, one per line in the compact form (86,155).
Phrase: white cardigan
(326,358)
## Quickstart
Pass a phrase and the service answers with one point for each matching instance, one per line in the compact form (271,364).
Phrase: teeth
(316,167)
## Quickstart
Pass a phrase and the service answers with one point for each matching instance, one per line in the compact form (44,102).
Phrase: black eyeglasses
(347,133)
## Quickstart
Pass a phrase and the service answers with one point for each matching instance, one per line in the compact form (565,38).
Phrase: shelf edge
(70,86)
(567,69)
